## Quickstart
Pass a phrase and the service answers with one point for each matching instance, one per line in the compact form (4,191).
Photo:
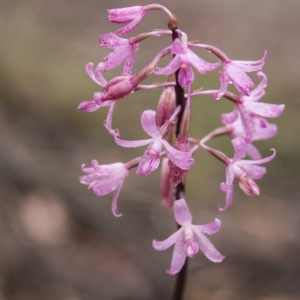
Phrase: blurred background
(58,240)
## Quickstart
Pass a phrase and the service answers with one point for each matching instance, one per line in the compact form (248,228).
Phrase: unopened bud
(249,186)
(166,106)
(118,88)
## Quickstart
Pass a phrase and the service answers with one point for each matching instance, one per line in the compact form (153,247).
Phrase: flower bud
(166,106)
(118,88)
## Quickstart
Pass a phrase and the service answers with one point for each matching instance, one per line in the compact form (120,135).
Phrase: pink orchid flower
(235,71)
(124,50)
(189,239)
(244,171)
(184,59)
(262,130)
(151,157)
(132,15)
(248,108)
(104,179)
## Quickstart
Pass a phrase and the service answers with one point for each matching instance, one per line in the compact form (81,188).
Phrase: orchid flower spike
(104,179)
(189,239)
(184,59)
(244,171)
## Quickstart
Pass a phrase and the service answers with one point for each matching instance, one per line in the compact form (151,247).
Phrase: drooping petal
(172,67)
(251,66)
(129,60)
(149,124)
(163,245)
(224,78)
(265,109)
(131,144)
(229,195)
(259,161)
(182,213)
(96,76)
(200,64)
(116,57)
(114,207)
(211,228)
(240,79)
(208,248)
(88,106)
(178,257)
(229,178)
(259,91)
(239,146)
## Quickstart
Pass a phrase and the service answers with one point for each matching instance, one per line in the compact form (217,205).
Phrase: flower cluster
(244,125)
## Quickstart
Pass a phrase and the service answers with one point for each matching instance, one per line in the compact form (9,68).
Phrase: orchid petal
(131,144)
(260,161)
(116,57)
(96,76)
(200,64)
(253,171)
(229,118)
(177,47)
(149,124)
(172,67)
(179,257)
(114,202)
(129,60)
(163,245)
(130,26)
(253,152)
(181,159)
(110,40)
(224,78)
(265,109)
(239,146)
(208,248)
(229,195)
(88,106)
(185,76)
(211,228)
(182,213)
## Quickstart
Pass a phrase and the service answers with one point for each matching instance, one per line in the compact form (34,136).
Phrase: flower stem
(180,188)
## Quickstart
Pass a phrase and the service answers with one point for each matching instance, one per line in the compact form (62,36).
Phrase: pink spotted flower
(132,15)
(104,179)
(244,171)
(184,59)
(124,50)
(189,239)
